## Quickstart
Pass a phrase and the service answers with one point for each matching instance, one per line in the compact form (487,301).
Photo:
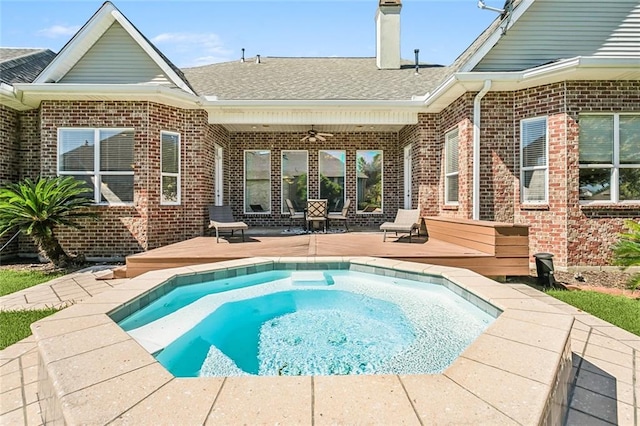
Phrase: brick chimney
(388,34)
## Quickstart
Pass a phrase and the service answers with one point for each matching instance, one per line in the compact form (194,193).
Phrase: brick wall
(9,163)
(350,142)
(30,147)
(123,230)
(592,230)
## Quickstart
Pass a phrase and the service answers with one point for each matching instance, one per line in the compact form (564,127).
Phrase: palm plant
(627,250)
(38,208)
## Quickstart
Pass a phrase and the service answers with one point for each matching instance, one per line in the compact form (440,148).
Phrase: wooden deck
(422,249)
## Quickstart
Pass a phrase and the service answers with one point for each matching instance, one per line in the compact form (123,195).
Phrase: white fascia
(213,101)
(32,94)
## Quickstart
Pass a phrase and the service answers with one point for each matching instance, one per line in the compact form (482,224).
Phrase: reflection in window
(170,168)
(103,158)
(609,157)
(331,166)
(295,169)
(257,181)
(369,181)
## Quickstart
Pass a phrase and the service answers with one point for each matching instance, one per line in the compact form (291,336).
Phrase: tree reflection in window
(369,181)
(331,165)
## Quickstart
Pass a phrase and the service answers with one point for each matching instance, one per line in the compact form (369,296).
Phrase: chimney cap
(390,3)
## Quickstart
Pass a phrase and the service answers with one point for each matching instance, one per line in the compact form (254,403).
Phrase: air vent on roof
(257,59)
(242,59)
(417,51)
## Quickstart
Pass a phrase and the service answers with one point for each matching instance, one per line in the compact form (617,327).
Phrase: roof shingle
(23,65)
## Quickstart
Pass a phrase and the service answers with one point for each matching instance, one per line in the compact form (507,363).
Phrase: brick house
(537,122)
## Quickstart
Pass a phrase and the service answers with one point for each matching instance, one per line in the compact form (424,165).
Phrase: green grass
(618,310)
(14,326)
(12,280)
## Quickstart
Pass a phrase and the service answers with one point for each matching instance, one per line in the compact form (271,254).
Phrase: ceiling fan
(313,136)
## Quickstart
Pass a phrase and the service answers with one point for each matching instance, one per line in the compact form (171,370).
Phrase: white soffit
(89,34)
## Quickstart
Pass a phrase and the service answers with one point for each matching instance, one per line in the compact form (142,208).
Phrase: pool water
(307,323)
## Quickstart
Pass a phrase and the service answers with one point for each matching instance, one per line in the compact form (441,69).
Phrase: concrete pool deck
(605,385)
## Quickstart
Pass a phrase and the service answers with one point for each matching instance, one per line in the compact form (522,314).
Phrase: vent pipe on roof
(242,59)
(417,51)
(257,59)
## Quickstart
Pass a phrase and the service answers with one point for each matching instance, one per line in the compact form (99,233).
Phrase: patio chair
(317,212)
(341,215)
(406,221)
(221,218)
(293,214)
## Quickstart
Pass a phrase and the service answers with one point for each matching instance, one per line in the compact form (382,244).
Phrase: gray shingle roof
(23,65)
(278,78)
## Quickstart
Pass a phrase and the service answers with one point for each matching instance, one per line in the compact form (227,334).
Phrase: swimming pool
(312,322)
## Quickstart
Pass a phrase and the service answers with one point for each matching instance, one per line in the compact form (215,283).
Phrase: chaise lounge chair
(406,221)
(221,218)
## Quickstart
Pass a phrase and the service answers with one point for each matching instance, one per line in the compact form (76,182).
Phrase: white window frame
(544,167)
(244,182)
(447,174)
(167,174)
(285,210)
(96,173)
(615,166)
(362,212)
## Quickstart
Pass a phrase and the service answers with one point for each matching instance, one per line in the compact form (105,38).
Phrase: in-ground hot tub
(517,371)
(329,319)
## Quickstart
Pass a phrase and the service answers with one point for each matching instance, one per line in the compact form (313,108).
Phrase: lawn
(14,326)
(618,310)
(15,280)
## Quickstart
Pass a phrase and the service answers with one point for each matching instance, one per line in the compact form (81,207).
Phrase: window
(609,148)
(451,168)
(534,160)
(369,181)
(257,181)
(295,170)
(103,158)
(331,166)
(170,168)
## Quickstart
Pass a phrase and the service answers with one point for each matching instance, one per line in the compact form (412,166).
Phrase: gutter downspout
(476,150)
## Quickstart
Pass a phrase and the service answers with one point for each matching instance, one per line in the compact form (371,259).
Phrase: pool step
(310,278)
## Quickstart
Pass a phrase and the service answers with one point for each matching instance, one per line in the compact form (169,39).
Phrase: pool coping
(517,372)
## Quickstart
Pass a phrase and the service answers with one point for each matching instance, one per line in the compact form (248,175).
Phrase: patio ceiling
(299,128)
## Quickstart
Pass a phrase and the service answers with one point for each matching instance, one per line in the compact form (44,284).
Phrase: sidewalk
(606,359)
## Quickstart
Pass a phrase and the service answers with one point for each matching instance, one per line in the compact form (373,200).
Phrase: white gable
(551,30)
(116,59)
(108,49)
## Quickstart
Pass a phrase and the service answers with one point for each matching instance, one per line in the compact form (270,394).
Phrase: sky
(198,32)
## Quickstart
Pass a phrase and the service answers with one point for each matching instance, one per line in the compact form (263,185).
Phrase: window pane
(596,139)
(294,179)
(116,189)
(629,139)
(369,180)
(89,184)
(534,143)
(116,150)
(257,167)
(629,184)
(169,189)
(76,150)
(451,152)
(534,185)
(452,189)
(170,153)
(332,173)
(595,184)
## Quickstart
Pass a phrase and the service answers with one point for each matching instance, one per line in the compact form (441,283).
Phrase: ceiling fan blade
(305,138)
(325,134)
(320,137)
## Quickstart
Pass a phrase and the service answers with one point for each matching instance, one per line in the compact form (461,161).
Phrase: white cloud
(192,49)
(56,31)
